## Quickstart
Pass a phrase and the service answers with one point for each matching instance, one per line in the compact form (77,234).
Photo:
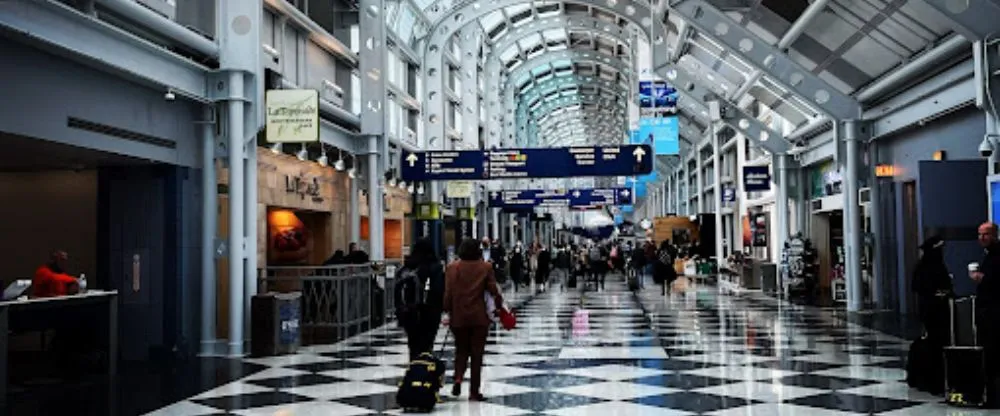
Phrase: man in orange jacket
(51,279)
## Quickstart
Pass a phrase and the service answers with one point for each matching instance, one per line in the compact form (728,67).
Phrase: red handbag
(507,318)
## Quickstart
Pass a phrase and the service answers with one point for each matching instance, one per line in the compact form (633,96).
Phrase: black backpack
(411,294)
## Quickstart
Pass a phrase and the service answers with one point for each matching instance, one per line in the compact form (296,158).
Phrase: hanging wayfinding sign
(756,178)
(573,198)
(558,162)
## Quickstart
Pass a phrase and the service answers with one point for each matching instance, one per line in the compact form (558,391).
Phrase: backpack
(595,254)
(665,258)
(411,297)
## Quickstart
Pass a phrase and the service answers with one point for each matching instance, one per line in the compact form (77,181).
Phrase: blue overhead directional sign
(557,162)
(561,198)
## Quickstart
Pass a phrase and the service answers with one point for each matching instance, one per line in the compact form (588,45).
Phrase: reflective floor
(612,353)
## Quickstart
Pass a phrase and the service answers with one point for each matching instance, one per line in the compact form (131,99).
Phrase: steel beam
(569,22)
(973,19)
(951,89)
(718,26)
(471,43)
(689,86)
(322,37)
(59,28)
(552,105)
(916,67)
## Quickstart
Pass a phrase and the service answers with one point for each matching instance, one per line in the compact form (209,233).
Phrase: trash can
(275,324)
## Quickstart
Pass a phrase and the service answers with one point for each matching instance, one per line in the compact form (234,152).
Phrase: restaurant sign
(303,187)
(292,116)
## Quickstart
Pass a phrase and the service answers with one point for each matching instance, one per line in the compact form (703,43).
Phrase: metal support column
(717,190)
(237,205)
(354,216)
(495,223)
(376,236)
(780,204)
(209,227)
(741,195)
(852,218)
(876,226)
(372,60)
(802,207)
(522,226)
(250,218)
(700,182)
(241,81)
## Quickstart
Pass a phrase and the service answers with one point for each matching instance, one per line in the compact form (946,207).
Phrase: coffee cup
(973,267)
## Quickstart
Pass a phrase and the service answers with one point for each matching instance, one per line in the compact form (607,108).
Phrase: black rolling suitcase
(964,359)
(418,392)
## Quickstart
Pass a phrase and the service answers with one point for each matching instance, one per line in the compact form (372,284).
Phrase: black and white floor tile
(612,353)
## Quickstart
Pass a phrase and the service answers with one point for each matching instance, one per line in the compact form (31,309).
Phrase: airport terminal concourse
(487,207)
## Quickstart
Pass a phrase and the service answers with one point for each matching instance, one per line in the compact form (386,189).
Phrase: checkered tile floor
(612,353)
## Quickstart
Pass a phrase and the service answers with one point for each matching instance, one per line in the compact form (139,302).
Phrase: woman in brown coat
(466,282)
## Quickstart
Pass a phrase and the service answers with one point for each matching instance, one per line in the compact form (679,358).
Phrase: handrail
(337,301)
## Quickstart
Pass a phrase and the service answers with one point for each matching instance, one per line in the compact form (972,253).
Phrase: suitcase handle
(951,320)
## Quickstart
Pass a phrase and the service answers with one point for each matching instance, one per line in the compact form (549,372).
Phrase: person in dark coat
(543,268)
(355,255)
(932,285)
(421,322)
(987,279)
(498,256)
(663,266)
(336,259)
(517,266)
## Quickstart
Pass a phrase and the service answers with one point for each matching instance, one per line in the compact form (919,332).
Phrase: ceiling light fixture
(323,160)
(339,164)
(302,154)
(276,148)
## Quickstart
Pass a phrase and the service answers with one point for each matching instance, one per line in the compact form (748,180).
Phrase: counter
(98,309)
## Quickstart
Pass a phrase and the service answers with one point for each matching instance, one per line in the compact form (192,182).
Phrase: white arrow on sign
(496,195)
(625,193)
(576,194)
(412,158)
(639,153)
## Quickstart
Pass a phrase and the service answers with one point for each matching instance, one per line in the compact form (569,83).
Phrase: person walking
(419,295)
(543,268)
(517,266)
(468,281)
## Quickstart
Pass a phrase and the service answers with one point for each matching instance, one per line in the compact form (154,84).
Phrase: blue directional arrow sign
(573,198)
(558,162)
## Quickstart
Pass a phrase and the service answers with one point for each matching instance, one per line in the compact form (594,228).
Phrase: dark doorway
(909,234)
(952,197)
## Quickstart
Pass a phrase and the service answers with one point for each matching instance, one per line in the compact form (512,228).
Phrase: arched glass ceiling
(848,44)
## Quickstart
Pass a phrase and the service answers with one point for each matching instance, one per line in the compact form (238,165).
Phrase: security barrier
(337,301)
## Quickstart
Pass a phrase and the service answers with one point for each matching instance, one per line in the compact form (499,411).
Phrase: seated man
(51,279)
